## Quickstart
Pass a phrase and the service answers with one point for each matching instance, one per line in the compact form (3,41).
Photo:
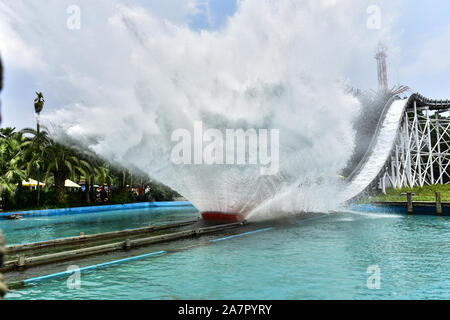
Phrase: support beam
(430,149)
(417,158)
(410,204)
(438,204)
(418,154)
(438,143)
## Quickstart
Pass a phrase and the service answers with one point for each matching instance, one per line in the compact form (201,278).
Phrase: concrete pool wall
(78,210)
(419,208)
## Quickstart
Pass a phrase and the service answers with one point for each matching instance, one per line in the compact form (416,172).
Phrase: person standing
(147,193)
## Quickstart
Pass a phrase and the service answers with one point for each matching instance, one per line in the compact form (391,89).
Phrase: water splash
(129,78)
(380,152)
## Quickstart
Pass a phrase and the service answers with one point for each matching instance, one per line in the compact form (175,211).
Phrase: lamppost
(3,288)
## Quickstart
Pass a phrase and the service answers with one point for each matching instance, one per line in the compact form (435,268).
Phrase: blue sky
(421,59)
(419,22)
(219,11)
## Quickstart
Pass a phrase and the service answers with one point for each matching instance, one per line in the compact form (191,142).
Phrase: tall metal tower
(382,72)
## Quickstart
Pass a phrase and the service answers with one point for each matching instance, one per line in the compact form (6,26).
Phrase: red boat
(223,216)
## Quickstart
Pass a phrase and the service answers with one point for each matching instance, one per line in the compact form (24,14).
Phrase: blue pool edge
(400,208)
(77,210)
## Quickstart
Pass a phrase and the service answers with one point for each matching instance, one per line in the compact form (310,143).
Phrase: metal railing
(431,104)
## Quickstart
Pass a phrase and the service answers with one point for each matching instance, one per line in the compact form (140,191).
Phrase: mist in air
(129,77)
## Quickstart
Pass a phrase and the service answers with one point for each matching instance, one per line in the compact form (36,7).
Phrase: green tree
(62,164)
(11,159)
(34,154)
(39,103)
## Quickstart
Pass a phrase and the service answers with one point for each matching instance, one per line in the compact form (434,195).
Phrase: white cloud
(14,49)
(432,57)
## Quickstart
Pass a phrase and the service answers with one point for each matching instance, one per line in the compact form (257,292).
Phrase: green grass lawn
(426,193)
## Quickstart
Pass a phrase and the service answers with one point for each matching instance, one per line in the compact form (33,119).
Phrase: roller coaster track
(423,102)
(392,135)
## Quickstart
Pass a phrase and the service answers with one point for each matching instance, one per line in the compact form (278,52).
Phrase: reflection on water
(323,258)
(46,228)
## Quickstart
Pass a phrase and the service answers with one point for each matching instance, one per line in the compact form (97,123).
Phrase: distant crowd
(104,192)
(142,193)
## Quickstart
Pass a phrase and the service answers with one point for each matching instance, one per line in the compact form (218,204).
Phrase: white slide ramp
(379,153)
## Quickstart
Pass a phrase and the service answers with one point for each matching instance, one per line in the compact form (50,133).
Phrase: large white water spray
(128,79)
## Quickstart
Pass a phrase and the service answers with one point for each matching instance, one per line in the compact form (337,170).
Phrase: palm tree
(38,106)
(12,171)
(103,174)
(87,169)
(12,178)
(34,150)
(39,103)
(6,133)
(62,163)
(11,156)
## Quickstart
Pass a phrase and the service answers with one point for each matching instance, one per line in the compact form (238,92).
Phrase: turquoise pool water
(325,258)
(46,228)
